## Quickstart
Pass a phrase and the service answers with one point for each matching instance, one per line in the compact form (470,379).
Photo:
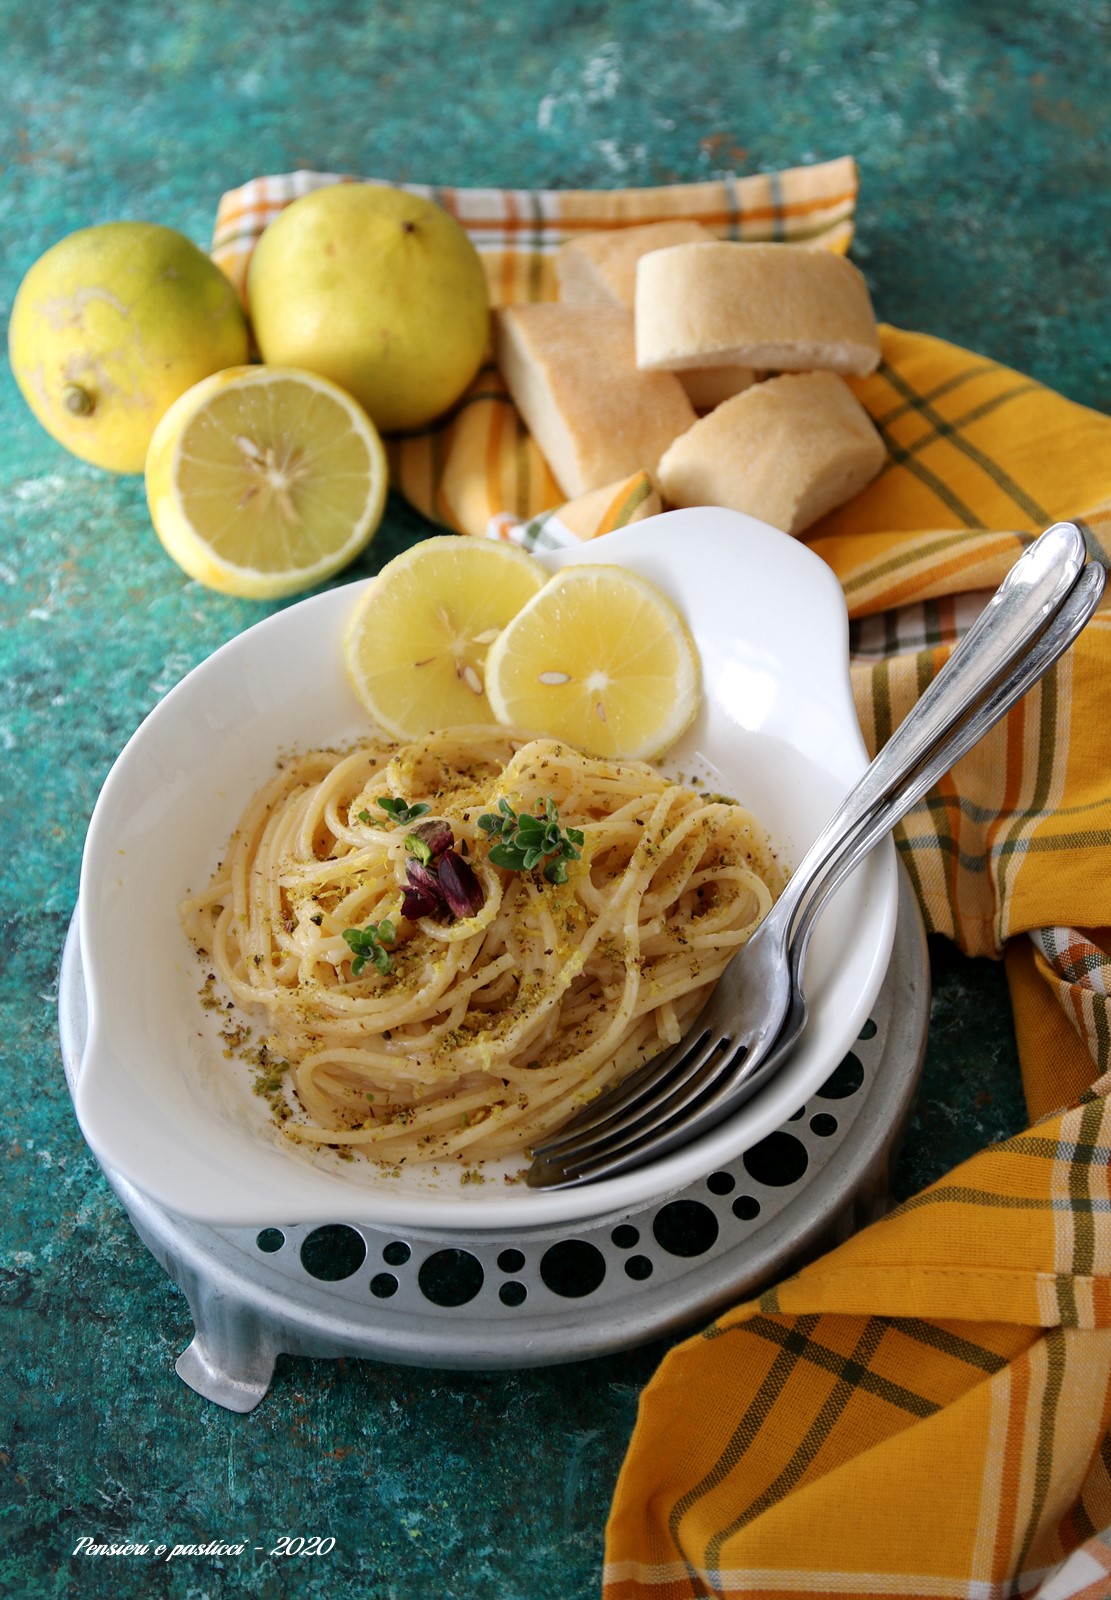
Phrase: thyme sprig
(369,944)
(397,809)
(529,840)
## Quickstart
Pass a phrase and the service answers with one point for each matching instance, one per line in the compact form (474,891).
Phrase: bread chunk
(776,307)
(600,269)
(573,376)
(786,451)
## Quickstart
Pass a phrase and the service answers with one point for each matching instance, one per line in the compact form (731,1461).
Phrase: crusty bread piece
(708,387)
(600,269)
(779,307)
(573,376)
(786,451)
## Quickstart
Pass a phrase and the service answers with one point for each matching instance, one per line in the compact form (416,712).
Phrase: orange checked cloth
(926,1411)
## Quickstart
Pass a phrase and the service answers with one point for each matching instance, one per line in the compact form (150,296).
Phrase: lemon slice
(600,658)
(262,481)
(416,646)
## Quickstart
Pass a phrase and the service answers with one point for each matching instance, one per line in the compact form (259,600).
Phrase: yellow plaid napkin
(926,1411)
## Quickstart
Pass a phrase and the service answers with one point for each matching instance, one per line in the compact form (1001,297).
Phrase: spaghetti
(473,1036)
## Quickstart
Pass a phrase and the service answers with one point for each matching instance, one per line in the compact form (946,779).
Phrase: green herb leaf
(368,944)
(503,855)
(400,812)
(528,841)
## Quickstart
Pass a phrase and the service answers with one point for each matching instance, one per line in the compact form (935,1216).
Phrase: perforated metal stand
(539,1296)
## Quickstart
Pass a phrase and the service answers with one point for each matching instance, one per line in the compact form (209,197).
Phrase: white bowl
(156,1098)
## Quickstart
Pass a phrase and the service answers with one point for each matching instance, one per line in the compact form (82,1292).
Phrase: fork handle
(1012,619)
(1062,630)
(1051,644)
(730,1089)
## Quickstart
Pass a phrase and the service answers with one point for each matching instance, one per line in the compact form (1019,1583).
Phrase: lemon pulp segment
(416,646)
(263,482)
(599,657)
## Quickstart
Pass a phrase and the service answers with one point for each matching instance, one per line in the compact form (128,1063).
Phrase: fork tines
(634,1110)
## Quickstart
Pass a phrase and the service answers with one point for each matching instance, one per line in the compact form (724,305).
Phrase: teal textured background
(983,135)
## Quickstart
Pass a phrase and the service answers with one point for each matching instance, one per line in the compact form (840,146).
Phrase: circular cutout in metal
(573,1268)
(685,1228)
(333,1252)
(777,1161)
(450,1277)
(844,1080)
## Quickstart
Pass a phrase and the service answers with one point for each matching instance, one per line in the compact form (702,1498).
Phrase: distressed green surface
(983,136)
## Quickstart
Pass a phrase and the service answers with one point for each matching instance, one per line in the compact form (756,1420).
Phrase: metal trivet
(534,1297)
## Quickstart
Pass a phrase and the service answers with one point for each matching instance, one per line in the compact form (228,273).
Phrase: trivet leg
(213,1379)
(231,1361)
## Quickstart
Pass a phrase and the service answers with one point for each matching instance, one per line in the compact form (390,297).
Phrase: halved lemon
(263,481)
(416,646)
(601,658)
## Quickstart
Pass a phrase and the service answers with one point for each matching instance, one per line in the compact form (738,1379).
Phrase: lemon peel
(112,324)
(378,289)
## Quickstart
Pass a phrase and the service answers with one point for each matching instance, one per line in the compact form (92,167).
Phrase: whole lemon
(378,290)
(110,326)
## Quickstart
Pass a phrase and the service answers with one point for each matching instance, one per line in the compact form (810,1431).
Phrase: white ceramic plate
(156,1098)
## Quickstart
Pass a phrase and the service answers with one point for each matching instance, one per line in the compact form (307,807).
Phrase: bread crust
(775,307)
(786,451)
(600,269)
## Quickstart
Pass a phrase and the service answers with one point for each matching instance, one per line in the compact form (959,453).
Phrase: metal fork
(675,1118)
(739,1037)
